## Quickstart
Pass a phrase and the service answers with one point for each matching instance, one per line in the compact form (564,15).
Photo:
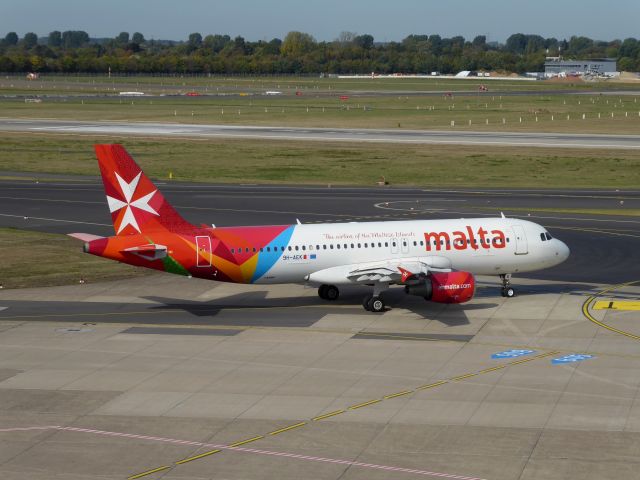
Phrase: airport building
(556,66)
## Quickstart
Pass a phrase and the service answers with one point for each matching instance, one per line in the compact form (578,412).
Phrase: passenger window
(289,247)
(352,246)
(404,244)
(324,247)
(297,248)
(304,247)
(331,247)
(317,247)
(415,244)
(359,245)
(246,250)
(254,249)
(232,251)
(346,246)
(393,244)
(386,244)
(421,243)
(338,246)
(366,245)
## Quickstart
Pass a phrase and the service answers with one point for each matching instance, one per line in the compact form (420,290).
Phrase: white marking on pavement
(248,450)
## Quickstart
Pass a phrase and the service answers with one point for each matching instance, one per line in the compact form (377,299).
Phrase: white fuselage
(482,246)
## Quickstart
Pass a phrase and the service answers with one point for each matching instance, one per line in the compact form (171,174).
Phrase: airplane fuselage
(294,253)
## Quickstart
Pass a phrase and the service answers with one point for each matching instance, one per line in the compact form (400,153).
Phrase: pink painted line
(249,450)
(24,429)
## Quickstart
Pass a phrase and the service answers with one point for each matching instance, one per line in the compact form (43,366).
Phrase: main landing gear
(507,289)
(374,303)
(371,303)
(328,292)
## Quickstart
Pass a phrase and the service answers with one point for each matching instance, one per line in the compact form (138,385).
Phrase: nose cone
(562,251)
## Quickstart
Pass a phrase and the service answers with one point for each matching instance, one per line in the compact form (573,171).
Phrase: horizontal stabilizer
(85,237)
(150,251)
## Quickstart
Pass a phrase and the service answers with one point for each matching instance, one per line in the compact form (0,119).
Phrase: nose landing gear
(507,290)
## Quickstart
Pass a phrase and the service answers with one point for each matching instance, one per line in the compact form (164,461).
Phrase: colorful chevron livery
(145,224)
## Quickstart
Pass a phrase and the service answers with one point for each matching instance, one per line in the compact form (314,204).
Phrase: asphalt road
(604,247)
(147,129)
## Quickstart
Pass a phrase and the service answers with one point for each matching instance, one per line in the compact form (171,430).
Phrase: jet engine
(441,287)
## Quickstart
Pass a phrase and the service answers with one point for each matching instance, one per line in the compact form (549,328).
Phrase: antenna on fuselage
(502,215)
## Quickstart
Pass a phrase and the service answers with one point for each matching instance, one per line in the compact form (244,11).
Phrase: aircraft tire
(365,302)
(322,292)
(376,305)
(331,293)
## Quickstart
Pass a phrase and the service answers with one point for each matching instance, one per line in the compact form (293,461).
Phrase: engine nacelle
(450,287)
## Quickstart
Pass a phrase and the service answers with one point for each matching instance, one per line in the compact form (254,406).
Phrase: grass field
(257,161)
(34,259)
(542,113)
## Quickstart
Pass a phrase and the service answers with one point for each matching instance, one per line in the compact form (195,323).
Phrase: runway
(177,130)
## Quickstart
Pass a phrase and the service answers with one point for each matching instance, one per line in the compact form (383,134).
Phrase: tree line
(298,53)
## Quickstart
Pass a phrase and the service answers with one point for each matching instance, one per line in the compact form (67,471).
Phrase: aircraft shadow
(254,308)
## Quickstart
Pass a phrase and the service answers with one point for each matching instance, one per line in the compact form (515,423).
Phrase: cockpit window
(548,235)
(542,237)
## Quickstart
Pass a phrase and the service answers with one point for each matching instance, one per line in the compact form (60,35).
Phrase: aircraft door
(522,247)
(404,245)
(203,254)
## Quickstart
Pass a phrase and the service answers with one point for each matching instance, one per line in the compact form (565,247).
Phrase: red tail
(136,205)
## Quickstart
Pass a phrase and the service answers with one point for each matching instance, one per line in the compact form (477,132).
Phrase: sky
(389,20)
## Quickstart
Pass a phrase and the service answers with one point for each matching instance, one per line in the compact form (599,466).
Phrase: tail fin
(135,203)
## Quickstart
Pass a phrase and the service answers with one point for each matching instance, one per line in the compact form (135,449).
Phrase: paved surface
(83,397)
(145,129)
(107,381)
(604,247)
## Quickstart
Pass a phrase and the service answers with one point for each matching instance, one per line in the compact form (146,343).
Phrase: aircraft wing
(389,271)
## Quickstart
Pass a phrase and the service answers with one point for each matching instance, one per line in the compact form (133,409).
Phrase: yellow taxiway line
(334,413)
(591,300)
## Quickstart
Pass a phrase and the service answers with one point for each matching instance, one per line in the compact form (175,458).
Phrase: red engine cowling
(451,287)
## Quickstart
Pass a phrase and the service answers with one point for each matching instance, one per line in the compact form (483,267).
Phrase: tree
(55,39)
(297,44)
(122,38)
(195,40)
(215,43)
(364,41)
(480,41)
(239,44)
(346,37)
(73,39)
(516,43)
(11,39)
(30,40)
(137,38)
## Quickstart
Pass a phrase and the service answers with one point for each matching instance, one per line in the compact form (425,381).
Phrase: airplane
(433,259)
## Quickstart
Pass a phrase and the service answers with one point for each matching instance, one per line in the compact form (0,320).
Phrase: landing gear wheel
(331,293)
(365,302)
(507,291)
(322,292)
(375,305)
